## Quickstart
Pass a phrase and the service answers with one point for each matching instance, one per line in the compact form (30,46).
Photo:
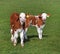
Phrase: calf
(37,21)
(16,27)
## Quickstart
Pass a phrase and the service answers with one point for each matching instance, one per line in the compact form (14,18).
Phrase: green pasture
(50,44)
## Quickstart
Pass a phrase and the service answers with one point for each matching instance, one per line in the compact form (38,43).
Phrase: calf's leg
(15,38)
(22,38)
(12,35)
(39,30)
(25,35)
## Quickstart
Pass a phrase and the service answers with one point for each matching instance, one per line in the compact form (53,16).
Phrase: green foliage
(50,44)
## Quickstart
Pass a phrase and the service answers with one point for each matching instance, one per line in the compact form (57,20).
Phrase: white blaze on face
(44,16)
(22,17)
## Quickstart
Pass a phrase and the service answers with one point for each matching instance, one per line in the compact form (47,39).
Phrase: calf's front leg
(39,30)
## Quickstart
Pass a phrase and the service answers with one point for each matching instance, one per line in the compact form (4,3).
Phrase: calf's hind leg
(15,38)
(12,35)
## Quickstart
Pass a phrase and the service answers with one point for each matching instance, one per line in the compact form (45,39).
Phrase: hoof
(14,44)
(40,38)
(22,45)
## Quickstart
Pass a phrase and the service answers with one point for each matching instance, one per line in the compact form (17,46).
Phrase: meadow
(50,44)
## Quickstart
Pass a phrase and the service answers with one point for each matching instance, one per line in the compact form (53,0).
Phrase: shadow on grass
(32,37)
(36,36)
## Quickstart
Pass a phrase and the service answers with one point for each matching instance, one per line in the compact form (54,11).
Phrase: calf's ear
(48,15)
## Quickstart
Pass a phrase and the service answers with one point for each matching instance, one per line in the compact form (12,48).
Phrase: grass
(50,44)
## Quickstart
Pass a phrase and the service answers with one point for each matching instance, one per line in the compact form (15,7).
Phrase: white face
(44,16)
(22,15)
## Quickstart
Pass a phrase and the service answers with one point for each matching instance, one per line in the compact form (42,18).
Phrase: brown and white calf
(37,21)
(16,27)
